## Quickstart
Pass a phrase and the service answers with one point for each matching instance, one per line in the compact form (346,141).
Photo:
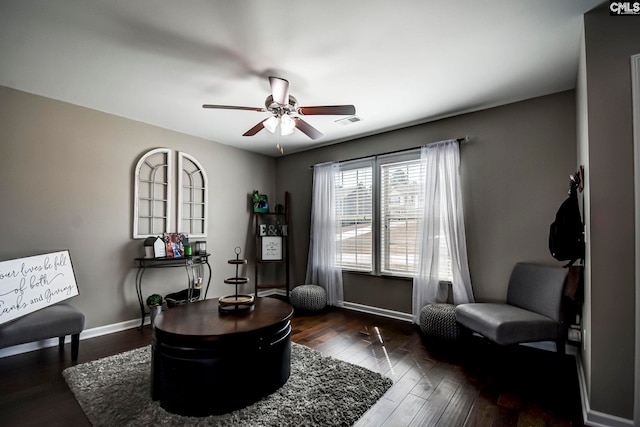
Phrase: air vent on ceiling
(349,120)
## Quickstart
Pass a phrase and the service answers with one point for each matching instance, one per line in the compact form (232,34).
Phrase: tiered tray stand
(236,302)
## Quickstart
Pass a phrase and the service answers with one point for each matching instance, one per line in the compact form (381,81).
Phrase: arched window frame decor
(193,199)
(153,172)
(154,190)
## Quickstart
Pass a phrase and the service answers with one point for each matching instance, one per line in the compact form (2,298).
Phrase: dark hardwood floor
(435,383)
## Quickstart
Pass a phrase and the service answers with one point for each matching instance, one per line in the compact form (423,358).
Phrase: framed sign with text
(35,282)
(271,248)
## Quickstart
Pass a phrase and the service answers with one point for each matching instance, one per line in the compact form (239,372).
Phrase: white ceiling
(399,62)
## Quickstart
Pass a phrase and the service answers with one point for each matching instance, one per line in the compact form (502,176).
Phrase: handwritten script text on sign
(29,284)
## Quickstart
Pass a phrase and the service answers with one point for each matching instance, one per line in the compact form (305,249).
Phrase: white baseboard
(280,292)
(398,315)
(96,332)
(589,416)
(353,306)
(551,346)
(86,334)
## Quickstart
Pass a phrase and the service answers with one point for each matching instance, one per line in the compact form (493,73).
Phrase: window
(379,206)
(400,208)
(354,237)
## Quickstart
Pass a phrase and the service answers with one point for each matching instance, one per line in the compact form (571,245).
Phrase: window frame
(155,169)
(186,191)
(377,163)
(155,160)
(368,162)
(381,161)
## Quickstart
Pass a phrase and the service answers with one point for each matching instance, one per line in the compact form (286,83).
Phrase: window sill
(382,275)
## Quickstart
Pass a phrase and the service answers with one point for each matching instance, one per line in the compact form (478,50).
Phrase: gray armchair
(532,312)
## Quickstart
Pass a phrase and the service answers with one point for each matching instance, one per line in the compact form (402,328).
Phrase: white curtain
(321,265)
(442,202)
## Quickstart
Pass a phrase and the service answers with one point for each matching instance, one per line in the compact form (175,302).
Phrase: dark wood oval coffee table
(205,362)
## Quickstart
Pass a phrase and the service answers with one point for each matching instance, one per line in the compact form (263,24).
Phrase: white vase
(148,251)
(153,312)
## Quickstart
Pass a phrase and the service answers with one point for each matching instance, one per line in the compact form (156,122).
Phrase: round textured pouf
(439,320)
(308,297)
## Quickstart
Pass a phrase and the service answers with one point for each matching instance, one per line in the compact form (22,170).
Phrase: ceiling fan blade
(232,107)
(337,110)
(279,90)
(257,128)
(307,129)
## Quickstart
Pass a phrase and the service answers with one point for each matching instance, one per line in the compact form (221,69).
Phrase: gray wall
(67,179)
(515,174)
(607,143)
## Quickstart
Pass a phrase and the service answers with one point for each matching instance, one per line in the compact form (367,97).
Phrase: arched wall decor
(152,194)
(192,196)
(154,191)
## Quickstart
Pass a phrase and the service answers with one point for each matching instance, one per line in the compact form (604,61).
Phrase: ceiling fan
(286,113)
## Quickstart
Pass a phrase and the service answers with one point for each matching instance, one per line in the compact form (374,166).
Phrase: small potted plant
(154,302)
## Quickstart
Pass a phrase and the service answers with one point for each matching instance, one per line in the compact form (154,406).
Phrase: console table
(188,262)
(206,362)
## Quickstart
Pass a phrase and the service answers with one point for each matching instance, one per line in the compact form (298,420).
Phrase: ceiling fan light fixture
(271,124)
(286,125)
(281,105)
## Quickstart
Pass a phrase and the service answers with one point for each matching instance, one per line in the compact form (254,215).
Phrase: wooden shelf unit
(272,246)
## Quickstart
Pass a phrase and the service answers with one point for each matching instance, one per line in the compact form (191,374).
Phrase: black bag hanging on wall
(566,234)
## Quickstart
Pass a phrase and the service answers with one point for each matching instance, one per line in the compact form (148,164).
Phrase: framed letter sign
(272,248)
(29,284)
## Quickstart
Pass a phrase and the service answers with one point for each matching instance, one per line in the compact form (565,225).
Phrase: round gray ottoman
(308,297)
(439,321)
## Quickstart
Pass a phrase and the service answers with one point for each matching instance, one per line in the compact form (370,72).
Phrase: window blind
(354,204)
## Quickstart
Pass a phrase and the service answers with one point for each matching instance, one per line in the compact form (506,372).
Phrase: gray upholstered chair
(55,321)
(532,312)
